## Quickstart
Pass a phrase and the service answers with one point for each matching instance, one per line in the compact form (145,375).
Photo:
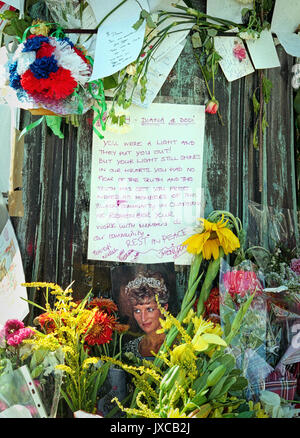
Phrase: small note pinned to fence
(118,43)
(285,24)
(235,61)
(228,10)
(263,51)
(146,191)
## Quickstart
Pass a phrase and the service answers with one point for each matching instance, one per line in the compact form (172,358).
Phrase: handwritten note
(118,44)
(285,21)
(157,74)
(146,186)
(229,10)
(11,272)
(232,67)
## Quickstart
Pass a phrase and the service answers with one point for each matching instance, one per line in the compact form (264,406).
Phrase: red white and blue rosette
(52,73)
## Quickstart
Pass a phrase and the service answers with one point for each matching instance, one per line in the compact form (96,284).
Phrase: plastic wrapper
(236,284)
(19,397)
(267,226)
(75,14)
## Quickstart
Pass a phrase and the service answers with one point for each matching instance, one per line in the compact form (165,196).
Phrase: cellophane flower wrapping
(49,72)
(41,364)
(73,14)
(283,328)
(19,397)
(236,284)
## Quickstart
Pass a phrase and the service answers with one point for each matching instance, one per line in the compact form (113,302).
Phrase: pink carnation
(18,337)
(11,326)
(295,266)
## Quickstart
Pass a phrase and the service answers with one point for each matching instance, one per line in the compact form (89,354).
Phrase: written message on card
(146,186)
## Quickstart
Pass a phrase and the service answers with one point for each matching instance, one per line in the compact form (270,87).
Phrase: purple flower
(295,266)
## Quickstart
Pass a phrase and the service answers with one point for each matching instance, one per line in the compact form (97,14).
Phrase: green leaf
(35,373)
(138,24)
(241,383)
(246,414)
(256,104)
(110,82)
(267,88)
(297,102)
(196,40)
(150,22)
(212,32)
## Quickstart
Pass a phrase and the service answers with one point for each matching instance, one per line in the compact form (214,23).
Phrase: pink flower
(18,337)
(241,283)
(212,107)
(295,266)
(11,326)
(239,51)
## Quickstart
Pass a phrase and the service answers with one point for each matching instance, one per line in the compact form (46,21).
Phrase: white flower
(68,59)
(24,61)
(250,35)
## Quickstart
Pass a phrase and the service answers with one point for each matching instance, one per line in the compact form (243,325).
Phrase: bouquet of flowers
(82,331)
(50,72)
(16,354)
(237,284)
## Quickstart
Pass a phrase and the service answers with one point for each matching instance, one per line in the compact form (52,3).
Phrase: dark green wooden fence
(53,233)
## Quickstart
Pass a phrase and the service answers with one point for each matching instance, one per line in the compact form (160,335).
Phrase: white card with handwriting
(146,192)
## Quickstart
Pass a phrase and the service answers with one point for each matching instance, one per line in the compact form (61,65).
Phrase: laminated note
(263,51)
(146,191)
(233,66)
(227,9)
(285,21)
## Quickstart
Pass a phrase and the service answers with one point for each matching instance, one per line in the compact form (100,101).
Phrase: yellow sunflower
(213,236)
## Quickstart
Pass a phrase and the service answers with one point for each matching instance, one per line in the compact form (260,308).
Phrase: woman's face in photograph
(147,316)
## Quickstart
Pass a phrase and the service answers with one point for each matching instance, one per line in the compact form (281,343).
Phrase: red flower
(212,304)
(45,50)
(81,54)
(46,322)
(58,85)
(241,282)
(101,330)
(104,304)
(212,106)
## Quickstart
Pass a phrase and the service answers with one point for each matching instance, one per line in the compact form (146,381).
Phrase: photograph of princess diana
(135,289)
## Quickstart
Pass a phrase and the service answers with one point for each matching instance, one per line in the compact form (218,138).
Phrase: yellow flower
(175,413)
(182,352)
(42,29)
(213,236)
(90,360)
